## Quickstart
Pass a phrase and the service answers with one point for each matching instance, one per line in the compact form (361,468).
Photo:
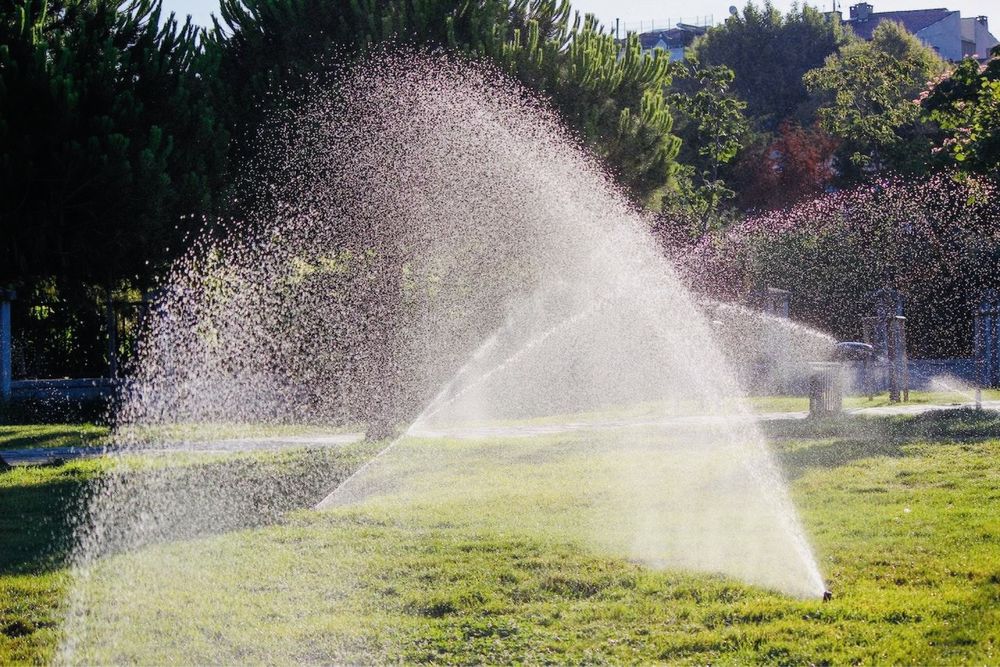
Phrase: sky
(644,14)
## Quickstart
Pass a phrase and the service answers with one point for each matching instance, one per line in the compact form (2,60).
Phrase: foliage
(965,106)
(935,239)
(106,137)
(866,93)
(712,127)
(796,164)
(280,52)
(769,53)
(901,511)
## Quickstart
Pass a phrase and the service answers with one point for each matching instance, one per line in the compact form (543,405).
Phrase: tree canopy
(106,138)
(966,108)
(610,93)
(867,92)
(713,129)
(769,52)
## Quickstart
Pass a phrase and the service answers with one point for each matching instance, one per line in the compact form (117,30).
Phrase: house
(674,41)
(944,30)
(976,38)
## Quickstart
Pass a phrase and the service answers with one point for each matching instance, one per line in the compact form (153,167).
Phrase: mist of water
(438,254)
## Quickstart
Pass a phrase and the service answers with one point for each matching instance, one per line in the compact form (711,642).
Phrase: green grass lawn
(903,514)
(93,435)
(853,402)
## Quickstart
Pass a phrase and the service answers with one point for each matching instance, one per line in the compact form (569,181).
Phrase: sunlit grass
(763,404)
(903,513)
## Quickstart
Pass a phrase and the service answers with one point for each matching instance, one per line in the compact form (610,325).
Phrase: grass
(93,435)
(34,539)
(854,402)
(903,514)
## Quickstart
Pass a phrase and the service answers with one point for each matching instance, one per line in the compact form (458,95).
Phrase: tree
(769,53)
(712,128)
(796,164)
(866,94)
(965,106)
(105,139)
(610,93)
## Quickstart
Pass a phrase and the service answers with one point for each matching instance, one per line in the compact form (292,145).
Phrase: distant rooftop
(863,21)
(678,37)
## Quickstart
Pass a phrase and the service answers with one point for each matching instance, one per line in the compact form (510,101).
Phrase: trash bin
(826,392)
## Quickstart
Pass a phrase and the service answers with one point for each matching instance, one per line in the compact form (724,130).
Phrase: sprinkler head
(827,596)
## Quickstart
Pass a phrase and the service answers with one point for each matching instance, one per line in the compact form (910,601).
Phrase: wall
(945,36)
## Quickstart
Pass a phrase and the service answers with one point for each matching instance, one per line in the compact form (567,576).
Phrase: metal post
(890,335)
(111,321)
(977,358)
(994,344)
(903,359)
(6,372)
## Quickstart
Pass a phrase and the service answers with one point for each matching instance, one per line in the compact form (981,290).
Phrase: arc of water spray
(773,480)
(439,403)
(337,490)
(432,407)
(521,351)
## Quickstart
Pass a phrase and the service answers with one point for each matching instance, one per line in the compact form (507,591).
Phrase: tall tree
(105,138)
(610,93)
(965,107)
(769,52)
(713,128)
(866,93)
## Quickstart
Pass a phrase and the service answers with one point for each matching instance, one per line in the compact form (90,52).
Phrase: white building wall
(945,36)
(984,40)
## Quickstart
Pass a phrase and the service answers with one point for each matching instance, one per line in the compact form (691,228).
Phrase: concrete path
(921,408)
(473,432)
(49,455)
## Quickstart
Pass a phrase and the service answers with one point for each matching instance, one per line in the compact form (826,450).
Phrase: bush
(936,240)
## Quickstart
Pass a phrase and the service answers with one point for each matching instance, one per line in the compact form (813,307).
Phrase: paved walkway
(528,430)
(920,408)
(49,455)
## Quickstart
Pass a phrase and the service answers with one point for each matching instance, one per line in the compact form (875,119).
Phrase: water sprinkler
(827,596)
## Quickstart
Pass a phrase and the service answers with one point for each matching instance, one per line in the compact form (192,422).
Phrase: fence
(68,348)
(987,340)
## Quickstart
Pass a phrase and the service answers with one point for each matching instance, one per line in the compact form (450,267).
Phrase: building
(945,31)
(674,41)
(976,38)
